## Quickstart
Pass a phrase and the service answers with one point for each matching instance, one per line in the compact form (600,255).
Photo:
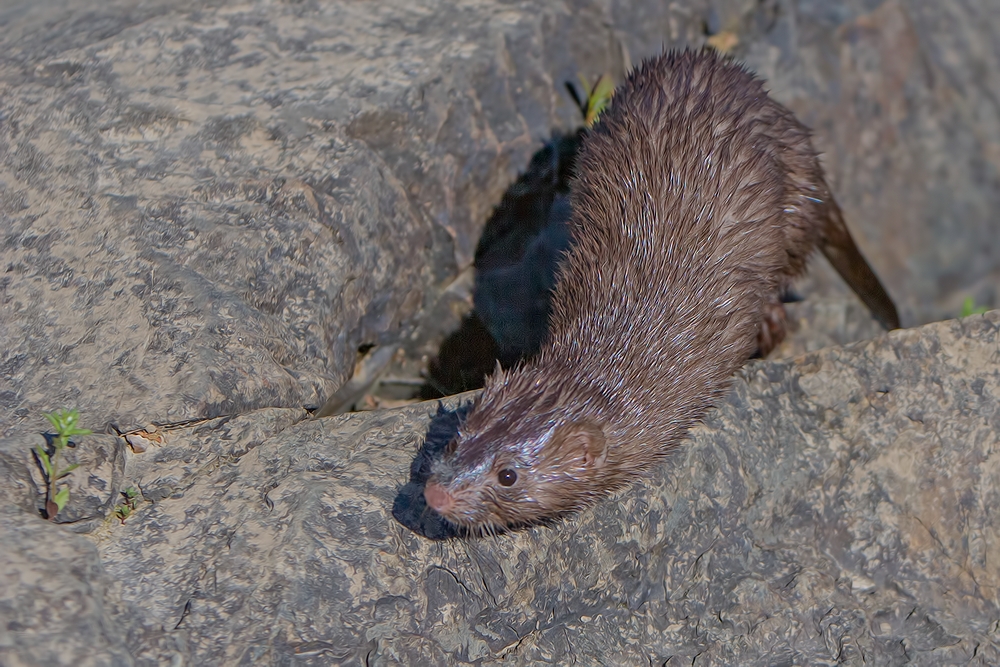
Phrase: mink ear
(586,439)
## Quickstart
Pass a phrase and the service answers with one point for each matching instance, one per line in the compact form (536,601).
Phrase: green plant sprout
(597,99)
(64,423)
(124,510)
(969,307)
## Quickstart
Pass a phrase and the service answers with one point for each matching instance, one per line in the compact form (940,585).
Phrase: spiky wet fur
(697,200)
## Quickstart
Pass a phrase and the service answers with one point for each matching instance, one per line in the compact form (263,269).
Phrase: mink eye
(507,477)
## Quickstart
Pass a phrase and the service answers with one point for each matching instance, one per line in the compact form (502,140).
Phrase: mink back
(697,199)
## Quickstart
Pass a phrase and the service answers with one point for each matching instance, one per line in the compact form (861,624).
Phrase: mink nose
(438,497)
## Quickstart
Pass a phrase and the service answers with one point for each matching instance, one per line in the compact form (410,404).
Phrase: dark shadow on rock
(516,261)
(410,508)
(464,360)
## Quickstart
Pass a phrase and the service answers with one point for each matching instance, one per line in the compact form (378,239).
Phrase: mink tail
(843,254)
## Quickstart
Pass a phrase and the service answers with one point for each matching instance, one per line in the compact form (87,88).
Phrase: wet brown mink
(697,199)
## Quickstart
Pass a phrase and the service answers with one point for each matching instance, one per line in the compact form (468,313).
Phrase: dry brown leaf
(724,41)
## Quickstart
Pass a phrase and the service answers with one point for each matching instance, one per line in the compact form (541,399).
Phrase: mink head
(533,448)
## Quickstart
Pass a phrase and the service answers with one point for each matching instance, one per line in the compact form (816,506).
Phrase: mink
(697,199)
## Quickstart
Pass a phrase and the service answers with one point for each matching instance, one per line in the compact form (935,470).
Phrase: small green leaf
(63,421)
(969,307)
(61,498)
(51,416)
(598,97)
(67,470)
(123,512)
(601,95)
(44,458)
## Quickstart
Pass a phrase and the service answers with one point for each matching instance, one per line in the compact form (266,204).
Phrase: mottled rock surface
(837,509)
(206,208)
(55,603)
(209,209)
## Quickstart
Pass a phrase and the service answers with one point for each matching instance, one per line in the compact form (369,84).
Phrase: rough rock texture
(206,208)
(54,598)
(838,509)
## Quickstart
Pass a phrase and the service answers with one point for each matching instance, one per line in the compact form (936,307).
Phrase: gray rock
(837,509)
(207,208)
(56,602)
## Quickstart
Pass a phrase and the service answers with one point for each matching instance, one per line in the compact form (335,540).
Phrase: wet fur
(697,200)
